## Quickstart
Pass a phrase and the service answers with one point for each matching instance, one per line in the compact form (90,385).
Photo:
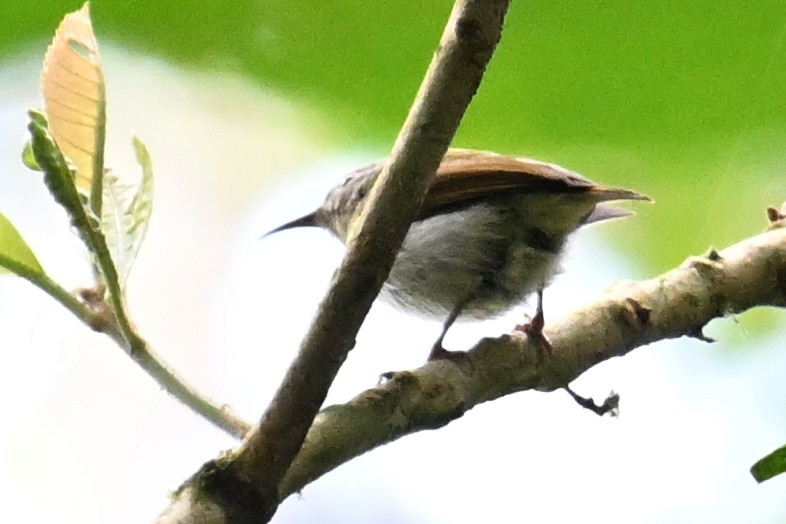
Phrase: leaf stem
(220,415)
(101,319)
(42,281)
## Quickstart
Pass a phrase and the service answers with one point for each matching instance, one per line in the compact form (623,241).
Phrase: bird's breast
(484,256)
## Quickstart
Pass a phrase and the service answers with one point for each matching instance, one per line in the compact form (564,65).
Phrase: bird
(490,232)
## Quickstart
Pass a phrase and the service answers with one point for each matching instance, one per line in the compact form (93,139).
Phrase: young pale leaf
(15,255)
(142,204)
(115,222)
(73,88)
(126,213)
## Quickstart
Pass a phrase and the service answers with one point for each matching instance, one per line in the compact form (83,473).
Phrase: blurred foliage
(685,101)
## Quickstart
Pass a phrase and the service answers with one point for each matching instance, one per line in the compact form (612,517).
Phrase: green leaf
(58,174)
(15,255)
(770,466)
(125,217)
(59,177)
(28,158)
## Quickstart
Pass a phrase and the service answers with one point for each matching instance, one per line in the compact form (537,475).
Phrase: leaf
(142,204)
(59,179)
(72,84)
(28,158)
(15,255)
(126,213)
(770,466)
(59,176)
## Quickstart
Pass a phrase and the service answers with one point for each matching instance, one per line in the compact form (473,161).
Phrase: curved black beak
(310,220)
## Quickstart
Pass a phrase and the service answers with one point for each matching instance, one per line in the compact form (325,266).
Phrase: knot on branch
(776,217)
(102,315)
(635,314)
(708,266)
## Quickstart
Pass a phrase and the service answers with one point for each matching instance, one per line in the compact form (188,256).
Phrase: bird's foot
(610,405)
(438,352)
(534,331)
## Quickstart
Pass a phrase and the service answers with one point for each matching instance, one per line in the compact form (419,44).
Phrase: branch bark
(244,485)
(676,304)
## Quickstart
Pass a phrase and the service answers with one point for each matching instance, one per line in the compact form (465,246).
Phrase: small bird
(490,232)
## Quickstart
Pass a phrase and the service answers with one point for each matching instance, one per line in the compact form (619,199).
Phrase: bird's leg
(534,328)
(437,350)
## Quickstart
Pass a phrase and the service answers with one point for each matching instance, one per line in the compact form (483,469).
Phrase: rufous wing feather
(465,176)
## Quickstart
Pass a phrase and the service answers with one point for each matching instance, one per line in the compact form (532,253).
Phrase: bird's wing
(465,176)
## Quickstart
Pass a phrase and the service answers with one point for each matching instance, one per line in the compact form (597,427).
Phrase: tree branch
(678,303)
(244,485)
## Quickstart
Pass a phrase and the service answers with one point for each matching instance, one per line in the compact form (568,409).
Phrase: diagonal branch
(452,80)
(678,303)
(244,485)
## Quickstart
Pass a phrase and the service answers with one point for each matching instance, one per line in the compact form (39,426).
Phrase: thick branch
(675,304)
(245,485)
(466,47)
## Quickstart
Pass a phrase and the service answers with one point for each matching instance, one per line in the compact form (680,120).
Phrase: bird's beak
(310,220)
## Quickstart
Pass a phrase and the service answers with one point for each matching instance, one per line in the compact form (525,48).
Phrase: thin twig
(98,317)
(42,281)
(219,415)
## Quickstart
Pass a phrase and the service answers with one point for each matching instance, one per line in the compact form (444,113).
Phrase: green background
(685,101)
